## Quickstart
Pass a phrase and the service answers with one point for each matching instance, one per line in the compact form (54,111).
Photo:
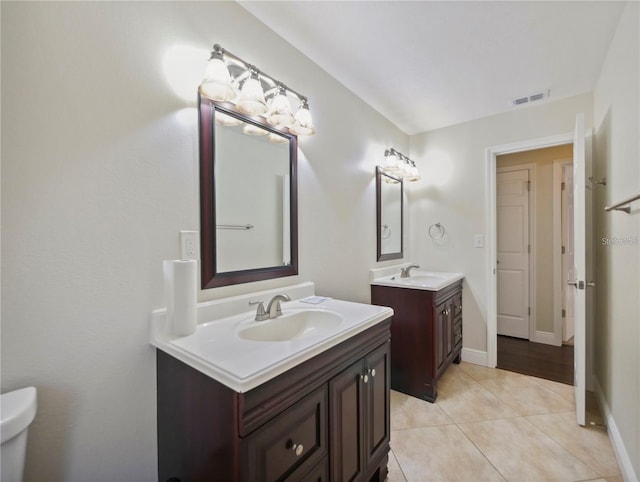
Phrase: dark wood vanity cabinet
(325,419)
(426,335)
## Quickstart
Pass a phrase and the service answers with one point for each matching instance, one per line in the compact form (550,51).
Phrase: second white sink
(420,280)
(293,325)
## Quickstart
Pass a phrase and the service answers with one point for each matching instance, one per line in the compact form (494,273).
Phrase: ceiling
(427,64)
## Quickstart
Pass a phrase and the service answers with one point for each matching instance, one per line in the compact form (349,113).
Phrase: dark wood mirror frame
(397,255)
(210,278)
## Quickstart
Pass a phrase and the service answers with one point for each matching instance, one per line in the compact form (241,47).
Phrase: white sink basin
(421,280)
(293,326)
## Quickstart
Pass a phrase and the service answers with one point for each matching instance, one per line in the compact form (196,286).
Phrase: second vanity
(236,402)
(426,331)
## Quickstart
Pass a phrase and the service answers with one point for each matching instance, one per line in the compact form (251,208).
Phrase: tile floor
(491,424)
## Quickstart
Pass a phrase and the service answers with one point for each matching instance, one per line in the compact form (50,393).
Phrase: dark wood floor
(536,359)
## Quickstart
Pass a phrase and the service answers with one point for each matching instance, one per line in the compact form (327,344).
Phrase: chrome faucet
(273,308)
(406,272)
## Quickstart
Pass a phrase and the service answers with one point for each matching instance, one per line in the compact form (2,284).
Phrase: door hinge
(528,186)
(564,250)
(562,186)
(529,311)
(564,313)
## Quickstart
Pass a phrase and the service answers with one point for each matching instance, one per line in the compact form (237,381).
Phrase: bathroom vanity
(426,332)
(319,413)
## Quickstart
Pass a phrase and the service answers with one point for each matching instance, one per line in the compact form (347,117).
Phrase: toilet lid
(17,411)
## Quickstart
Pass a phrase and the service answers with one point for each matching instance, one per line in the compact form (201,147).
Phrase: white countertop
(420,280)
(217,350)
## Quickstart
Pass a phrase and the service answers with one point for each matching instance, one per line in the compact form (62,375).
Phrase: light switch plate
(478,241)
(189,245)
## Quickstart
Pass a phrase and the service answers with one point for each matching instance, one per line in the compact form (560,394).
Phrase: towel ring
(386,231)
(436,231)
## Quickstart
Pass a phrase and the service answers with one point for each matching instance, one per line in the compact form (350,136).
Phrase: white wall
(99,173)
(453,191)
(617,334)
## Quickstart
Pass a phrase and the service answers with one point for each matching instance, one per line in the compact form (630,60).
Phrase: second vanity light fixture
(399,165)
(228,78)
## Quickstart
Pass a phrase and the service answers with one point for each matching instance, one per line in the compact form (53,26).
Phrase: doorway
(531,223)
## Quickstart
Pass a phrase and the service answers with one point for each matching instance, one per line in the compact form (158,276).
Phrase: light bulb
(216,84)
(390,161)
(226,120)
(277,139)
(280,109)
(304,124)
(251,99)
(252,130)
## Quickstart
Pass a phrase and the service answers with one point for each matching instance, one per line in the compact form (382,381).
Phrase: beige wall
(543,193)
(453,191)
(100,173)
(617,330)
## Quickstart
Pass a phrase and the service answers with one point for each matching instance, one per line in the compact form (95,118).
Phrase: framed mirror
(389,214)
(248,198)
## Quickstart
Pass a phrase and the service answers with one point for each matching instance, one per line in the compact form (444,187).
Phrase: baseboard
(476,357)
(628,474)
(546,337)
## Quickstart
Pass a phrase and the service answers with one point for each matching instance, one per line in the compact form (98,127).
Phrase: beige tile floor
(490,424)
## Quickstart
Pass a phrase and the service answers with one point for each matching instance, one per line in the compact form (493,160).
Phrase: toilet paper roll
(181,293)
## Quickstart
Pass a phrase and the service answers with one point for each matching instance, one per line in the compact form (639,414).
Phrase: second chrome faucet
(273,308)
(406,272)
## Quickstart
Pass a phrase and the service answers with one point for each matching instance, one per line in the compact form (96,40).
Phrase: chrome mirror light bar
(228,78)
(398,165)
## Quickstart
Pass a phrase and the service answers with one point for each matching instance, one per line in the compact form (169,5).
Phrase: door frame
(558,322)
(491,154)
(531,167)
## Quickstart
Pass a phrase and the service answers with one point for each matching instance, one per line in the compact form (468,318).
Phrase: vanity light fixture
(399,165)
(228,78)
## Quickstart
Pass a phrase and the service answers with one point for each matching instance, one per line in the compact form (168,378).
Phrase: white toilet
(17,411)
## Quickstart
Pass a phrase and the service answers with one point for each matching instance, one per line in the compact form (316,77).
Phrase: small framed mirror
(248,198)
(389,215)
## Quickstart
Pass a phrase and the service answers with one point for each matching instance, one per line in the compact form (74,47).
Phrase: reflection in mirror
(389,197)
(248,206)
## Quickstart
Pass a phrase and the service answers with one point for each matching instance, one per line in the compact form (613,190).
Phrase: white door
(578,284)
(568,264)
(512,271)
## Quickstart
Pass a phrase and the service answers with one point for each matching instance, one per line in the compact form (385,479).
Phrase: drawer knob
(297,448)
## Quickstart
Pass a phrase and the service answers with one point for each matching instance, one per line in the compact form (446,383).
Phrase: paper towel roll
(181,292)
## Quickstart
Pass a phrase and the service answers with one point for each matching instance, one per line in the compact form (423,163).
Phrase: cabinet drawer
(291,444)
(320,473)
(457,332)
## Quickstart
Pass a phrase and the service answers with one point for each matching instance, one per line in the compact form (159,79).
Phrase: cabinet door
(346,406)
(377,402)
(441,335)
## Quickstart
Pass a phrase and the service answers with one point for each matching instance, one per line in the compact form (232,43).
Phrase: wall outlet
(189,245)
(478,241)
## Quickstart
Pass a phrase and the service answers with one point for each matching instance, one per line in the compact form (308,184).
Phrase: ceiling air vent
(530,98)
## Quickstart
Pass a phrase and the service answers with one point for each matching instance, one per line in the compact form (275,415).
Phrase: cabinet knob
(364,378)
(297,448)
(373,372)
